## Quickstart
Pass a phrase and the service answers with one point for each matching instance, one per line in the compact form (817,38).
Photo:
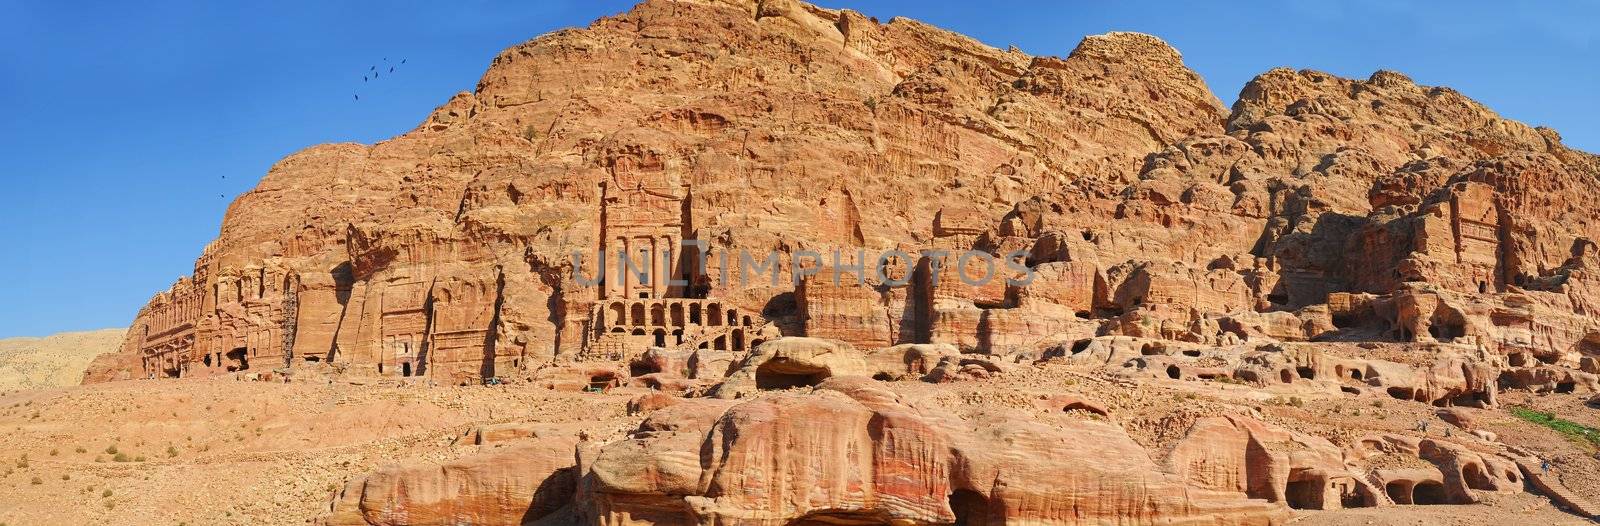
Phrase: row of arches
(670,313)
(732,340)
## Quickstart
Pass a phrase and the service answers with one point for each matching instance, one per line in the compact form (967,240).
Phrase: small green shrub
(1572,430)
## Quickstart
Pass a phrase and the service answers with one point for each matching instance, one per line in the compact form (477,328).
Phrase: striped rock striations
(1341,237)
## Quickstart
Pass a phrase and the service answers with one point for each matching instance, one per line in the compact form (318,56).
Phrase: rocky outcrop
(528,481)
(772,202)
(792,362)
(851,452)
(831,138)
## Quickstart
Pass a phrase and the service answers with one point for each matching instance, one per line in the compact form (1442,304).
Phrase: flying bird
(402,61)
(358,97)
(363,78)
(391,69)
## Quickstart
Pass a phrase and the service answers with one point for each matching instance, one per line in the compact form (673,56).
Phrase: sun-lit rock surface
(1367,240)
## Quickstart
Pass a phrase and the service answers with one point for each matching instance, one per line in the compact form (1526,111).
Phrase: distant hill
(55,360)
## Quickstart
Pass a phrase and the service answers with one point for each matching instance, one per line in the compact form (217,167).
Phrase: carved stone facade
(650,292)
(643,222)
(623,328)
(214,321)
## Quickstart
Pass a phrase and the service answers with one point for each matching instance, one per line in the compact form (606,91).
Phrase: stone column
(622,268)
(668,264)
(655,268)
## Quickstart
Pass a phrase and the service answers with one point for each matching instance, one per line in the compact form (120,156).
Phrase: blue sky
(120,122)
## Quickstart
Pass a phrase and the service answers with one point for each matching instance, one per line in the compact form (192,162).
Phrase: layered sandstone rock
(520,482)
(446,252)
(1329,236)
(854,454)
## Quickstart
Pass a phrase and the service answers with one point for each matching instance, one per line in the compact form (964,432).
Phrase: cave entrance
(1473,399)
(1174,372)
(207,359)
(783,374)
(238,359)
(641,367)
(970,508)
(1399,491)
(840,518)
(1428,492)
(1306,372)
(1352,495)
(1080,346)
(405,368)
(1476,478)
(1566,387)
(1447,330)
(1304,494)
(602,382)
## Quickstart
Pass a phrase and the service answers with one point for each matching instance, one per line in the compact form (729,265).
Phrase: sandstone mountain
(55,360)
(1373,239)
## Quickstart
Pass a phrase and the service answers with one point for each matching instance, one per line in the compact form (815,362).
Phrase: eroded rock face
(446,252)
(1342,237)
(516,482)
(851,452)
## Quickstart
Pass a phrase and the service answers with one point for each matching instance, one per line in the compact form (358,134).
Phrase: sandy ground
(223,451)
(220,451)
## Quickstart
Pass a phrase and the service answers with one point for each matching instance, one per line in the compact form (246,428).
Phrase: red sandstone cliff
(786,127)
(1364,238)
(1319,206)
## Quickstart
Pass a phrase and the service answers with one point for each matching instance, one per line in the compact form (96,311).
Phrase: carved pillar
(623,271)
(655,268)
(668,258)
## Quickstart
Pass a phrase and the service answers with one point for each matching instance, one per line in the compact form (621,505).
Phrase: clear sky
(125,130)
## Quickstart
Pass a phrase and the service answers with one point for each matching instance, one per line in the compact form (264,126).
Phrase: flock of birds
(373,73)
